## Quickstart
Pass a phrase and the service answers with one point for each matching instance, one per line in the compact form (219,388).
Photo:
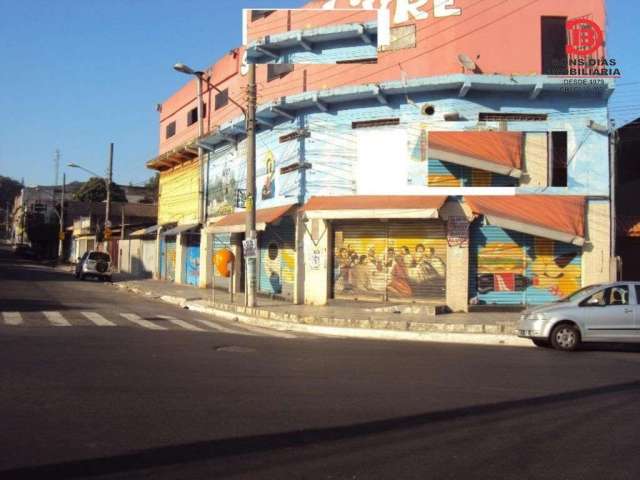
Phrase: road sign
(107,233)
(61,236)
(250,248)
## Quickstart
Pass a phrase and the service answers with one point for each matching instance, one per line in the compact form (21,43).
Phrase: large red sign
(585,37)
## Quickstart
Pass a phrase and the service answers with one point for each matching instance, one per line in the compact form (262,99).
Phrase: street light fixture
(107,180)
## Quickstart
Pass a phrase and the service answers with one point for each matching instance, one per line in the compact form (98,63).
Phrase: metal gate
(168,267)
(398,260)
(513,268)
(192,259)
(277,259)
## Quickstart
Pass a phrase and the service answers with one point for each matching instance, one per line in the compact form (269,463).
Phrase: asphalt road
(80,398)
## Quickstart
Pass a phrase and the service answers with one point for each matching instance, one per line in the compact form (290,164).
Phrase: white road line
(98,319)
(222,329)
(56,319)
(181,323)
(132,317)
(266,331)
(12,318)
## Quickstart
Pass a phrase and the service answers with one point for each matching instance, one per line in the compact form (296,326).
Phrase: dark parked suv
(94,264)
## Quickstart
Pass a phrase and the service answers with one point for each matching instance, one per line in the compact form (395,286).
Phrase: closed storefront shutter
(277,259)
(170,259)
(398,260)
(512,268)
(192,259)
(148,257)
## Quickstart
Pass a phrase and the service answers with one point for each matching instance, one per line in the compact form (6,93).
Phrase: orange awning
(556,217)
(235,222)
(499,152)
(374,206)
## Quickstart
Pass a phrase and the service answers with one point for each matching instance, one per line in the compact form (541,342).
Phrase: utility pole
(56,163)
(250,204)
(201,196)
(107,218)
(61,234)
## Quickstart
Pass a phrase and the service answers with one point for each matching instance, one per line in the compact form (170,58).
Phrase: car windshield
(580,293)
(99,256)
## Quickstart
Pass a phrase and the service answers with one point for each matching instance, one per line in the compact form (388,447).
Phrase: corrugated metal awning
(145,231)
(180,229)
(374,206)
(235,222)
(558,218)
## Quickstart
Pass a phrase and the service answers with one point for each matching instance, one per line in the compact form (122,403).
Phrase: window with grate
(512,117)
(192,115)
(222,99)
(278,70)
(554,45)
(559,159)
(170,130)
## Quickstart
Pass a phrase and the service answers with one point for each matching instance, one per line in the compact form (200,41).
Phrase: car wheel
(538,342)
(565,337)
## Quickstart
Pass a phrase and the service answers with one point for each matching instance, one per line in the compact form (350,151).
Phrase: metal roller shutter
(192,259)
(513,268)
(277,259)
(398,260)
(170,259)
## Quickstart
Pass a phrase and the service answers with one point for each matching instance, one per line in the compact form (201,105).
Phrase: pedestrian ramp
(153,322)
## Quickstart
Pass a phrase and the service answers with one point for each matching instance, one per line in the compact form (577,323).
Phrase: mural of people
(269,188)
(405,270)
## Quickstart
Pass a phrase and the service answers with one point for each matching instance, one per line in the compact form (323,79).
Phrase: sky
(76,75)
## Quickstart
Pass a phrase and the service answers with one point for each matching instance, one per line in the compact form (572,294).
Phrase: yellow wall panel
(178,195)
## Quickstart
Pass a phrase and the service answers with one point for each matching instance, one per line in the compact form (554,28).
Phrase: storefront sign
(250,248)
(458,232)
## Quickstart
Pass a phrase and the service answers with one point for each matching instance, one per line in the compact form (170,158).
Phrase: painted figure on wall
(269,188)
(398,271)
(533,270)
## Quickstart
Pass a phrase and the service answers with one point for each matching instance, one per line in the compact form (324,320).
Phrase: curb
(470,334)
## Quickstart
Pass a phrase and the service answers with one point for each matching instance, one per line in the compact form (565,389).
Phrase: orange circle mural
(222,259)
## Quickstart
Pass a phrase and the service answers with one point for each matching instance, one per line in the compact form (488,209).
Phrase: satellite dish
(466,62)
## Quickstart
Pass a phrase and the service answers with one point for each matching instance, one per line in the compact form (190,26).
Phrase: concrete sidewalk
(340,318)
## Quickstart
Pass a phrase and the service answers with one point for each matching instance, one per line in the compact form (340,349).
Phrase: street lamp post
(108,180)
(182,68)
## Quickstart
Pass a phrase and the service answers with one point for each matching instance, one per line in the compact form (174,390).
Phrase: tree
(9,189)
(95,190)
(152,186)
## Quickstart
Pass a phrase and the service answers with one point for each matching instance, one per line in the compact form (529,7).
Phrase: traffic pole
(250,202)
(61,233)
(107,218)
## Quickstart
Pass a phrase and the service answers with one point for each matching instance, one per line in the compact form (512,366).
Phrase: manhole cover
(234,349)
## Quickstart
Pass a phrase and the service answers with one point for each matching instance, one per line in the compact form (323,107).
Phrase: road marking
(57,319)
(267,332)
(222,329)
(12,318)
(98,319)
(132,317)
(181,323)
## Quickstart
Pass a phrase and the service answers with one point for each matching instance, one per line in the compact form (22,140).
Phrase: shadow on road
(224,448)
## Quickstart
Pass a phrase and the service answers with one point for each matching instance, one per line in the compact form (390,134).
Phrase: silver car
(597,313)
(94,264)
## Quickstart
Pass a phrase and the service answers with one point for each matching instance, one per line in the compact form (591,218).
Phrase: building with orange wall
(367,130)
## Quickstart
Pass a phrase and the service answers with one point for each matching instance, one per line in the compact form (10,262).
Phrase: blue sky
(78,74)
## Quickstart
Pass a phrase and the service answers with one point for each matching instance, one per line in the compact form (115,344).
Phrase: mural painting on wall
(544,270)
(269,185)
(398,267)
(223,186)
(277,264)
